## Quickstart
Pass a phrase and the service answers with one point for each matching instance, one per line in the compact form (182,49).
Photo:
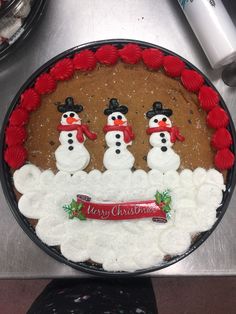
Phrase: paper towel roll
(213,28)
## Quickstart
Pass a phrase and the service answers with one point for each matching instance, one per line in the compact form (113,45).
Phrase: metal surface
(67,24)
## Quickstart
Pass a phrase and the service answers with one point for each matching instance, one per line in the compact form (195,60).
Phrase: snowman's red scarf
(174,133)
(127,131)
(81,130)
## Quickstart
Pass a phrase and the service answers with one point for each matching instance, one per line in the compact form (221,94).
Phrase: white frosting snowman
(161,157)
(71,155)
(118,137)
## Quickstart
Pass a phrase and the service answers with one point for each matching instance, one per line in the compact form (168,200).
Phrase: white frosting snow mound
(119,245)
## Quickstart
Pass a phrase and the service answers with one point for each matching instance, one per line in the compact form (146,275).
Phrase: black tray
(7,184)
(28,25)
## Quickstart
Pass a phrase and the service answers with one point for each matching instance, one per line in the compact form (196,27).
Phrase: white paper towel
(213,28)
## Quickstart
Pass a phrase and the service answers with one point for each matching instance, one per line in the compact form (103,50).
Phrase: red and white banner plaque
(121,210)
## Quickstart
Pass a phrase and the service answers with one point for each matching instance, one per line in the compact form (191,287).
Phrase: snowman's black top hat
(69,106)
(114,106)
(158,109)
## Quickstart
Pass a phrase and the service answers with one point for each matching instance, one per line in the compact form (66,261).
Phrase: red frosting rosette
(217,118)
(173,66)
(84,60)
(107,54)
(152,58)
(224,159)
(208,98)
(62,70)
(192,80)
(131,53)
(30,100)
(15,156)
(45,84)
(15,135)
(221,139)
(19,117)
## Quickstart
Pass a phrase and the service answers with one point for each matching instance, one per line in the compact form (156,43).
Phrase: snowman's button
(163,140)
(70,147)
(118,143)
(117,151)
(162,135)
(70,141)
(117,135)
(164,149)
(70,134)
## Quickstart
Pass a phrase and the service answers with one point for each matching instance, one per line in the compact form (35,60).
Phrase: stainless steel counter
(73,22)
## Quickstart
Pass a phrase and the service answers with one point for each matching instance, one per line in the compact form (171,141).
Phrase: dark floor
(175,295)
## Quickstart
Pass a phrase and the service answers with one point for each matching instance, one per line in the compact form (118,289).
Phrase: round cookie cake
(122,157)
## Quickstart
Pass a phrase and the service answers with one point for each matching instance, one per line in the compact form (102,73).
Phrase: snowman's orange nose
(118,122)
(71,120)
(162,123)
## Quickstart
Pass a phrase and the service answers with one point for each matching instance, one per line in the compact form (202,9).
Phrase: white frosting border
(119,245)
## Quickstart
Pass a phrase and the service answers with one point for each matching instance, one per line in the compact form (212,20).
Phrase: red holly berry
(173,66)
(224,159)
(15,135)
(192,80)
(19,117)
(30,100)
(15,156)
(152,58)
(107,54)
(84,60)
(217,118)
(62,70)
(221,139)
(131,53)
(45,84)
(208,98)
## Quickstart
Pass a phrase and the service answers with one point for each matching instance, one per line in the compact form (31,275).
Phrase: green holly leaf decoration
(166,208)
(167,200)
(158,197)
(74,210)
(164,200)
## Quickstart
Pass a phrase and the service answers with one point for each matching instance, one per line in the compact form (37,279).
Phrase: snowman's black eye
(65,115)
(155,120)
(119,117)
(164,119)
(72,115)
(113,118)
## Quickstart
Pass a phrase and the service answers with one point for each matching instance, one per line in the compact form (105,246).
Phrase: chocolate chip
(117,151)
(117,135)
(164,149)
(52,143)
(163,140)
(69,134)
(70,147)
(118,143)
(162,135)
(70,141)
